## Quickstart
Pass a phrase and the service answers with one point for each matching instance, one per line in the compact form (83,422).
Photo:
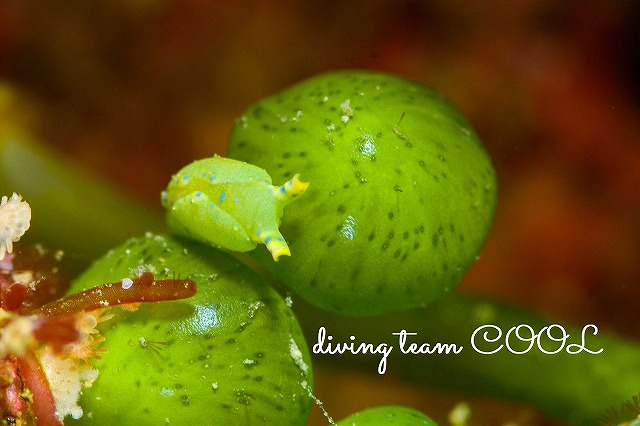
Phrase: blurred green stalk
(71,209)
(578,388)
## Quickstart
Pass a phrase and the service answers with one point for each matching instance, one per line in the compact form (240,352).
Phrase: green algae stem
(578,388)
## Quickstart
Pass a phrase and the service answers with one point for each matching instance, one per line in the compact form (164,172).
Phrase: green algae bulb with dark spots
(402,193)
(231,354)
(387,415)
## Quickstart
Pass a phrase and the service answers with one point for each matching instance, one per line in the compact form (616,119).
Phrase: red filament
(44,406)
(143,289)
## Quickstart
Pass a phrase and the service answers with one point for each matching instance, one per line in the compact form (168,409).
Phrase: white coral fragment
(15,218)
(67,377)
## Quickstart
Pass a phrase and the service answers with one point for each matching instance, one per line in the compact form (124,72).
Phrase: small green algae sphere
(401,197)
(387,415)
(231,354)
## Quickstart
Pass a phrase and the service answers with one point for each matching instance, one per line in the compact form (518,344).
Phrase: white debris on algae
(347,111)
(296,355)
(127,283)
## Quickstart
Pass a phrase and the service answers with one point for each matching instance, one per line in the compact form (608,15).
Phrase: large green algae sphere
(387,415)
(401,197)
(231,354)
